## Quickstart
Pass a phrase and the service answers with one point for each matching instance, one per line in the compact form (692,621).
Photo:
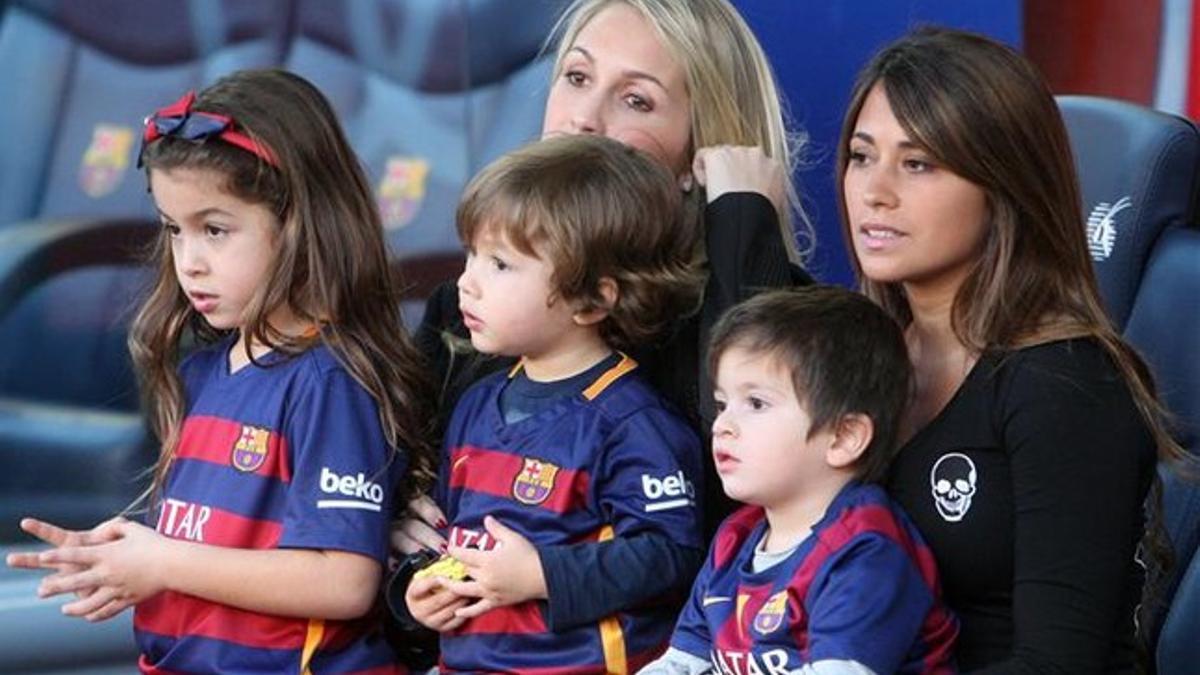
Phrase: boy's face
(760,436)
(506,301)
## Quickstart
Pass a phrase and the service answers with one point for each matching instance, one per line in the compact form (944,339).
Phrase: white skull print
(953,481)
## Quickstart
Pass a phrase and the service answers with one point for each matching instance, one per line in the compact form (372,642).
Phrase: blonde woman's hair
(735,100)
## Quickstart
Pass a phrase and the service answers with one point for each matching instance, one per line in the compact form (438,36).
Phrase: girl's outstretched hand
(740,168)
(59,537)
(125,567)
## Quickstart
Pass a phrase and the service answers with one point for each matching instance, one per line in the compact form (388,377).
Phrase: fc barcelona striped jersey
(861,587)
(288,455)
(612,460)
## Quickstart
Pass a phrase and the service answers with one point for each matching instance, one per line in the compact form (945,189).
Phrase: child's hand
(729,168)
(433,605)
(419,530)
(123,571)
(57,536)
(506,575)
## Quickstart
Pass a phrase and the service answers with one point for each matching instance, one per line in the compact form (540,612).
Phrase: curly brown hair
(595,209)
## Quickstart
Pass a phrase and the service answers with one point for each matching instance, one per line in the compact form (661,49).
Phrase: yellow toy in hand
(446,566)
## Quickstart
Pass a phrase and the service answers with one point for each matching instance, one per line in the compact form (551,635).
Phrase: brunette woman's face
(911,220)
(618,79)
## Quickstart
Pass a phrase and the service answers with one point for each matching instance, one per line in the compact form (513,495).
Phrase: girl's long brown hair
(984,112)
(331,266)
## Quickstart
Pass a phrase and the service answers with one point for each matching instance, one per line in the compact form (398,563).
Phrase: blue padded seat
(86,74)
(428,93)
(1165,326)
(1139,171)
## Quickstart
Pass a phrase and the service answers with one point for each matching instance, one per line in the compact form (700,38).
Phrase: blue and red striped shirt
(612,460)
(862,587)
(288,455)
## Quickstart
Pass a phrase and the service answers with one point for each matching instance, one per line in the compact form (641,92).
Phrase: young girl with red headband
(290,431)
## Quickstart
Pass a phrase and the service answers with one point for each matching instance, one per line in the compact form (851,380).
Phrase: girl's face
(222,246)
(619,80)
(911,220)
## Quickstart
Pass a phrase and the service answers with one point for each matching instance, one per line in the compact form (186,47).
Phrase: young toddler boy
(821,573)
(569,484)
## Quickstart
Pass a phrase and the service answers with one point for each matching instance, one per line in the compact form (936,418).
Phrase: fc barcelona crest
(250,451)
(534,482)
(770,616)
(105,160)
(402,190)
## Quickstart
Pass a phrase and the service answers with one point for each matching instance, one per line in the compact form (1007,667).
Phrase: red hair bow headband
(180,121)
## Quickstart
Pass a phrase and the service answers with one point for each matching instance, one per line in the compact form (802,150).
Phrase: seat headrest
(433,46)
(156,33)
(1139,174)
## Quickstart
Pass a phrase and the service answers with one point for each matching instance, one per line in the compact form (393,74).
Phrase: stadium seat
(1177,650)
(428,92)
(1165,326)
(1139,171)
(1140,176)
(84,74)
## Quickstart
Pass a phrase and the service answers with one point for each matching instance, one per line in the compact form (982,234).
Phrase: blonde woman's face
(618,79)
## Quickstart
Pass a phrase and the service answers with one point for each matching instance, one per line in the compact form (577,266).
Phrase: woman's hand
(742,168)
(419,530)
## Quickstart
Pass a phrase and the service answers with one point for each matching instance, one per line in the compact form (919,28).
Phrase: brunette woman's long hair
(331,266)
(985,113)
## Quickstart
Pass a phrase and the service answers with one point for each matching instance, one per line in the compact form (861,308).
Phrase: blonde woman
(687,82)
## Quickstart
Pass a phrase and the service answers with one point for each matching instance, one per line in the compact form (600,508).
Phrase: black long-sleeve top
(1029,487)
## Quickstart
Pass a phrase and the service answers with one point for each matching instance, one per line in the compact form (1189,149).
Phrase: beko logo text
(365,494)
(668,492)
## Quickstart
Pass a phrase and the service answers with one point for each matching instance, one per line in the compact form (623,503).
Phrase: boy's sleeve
(692,635)
(648,478)
(343,472)
(868,606)
(588,581)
